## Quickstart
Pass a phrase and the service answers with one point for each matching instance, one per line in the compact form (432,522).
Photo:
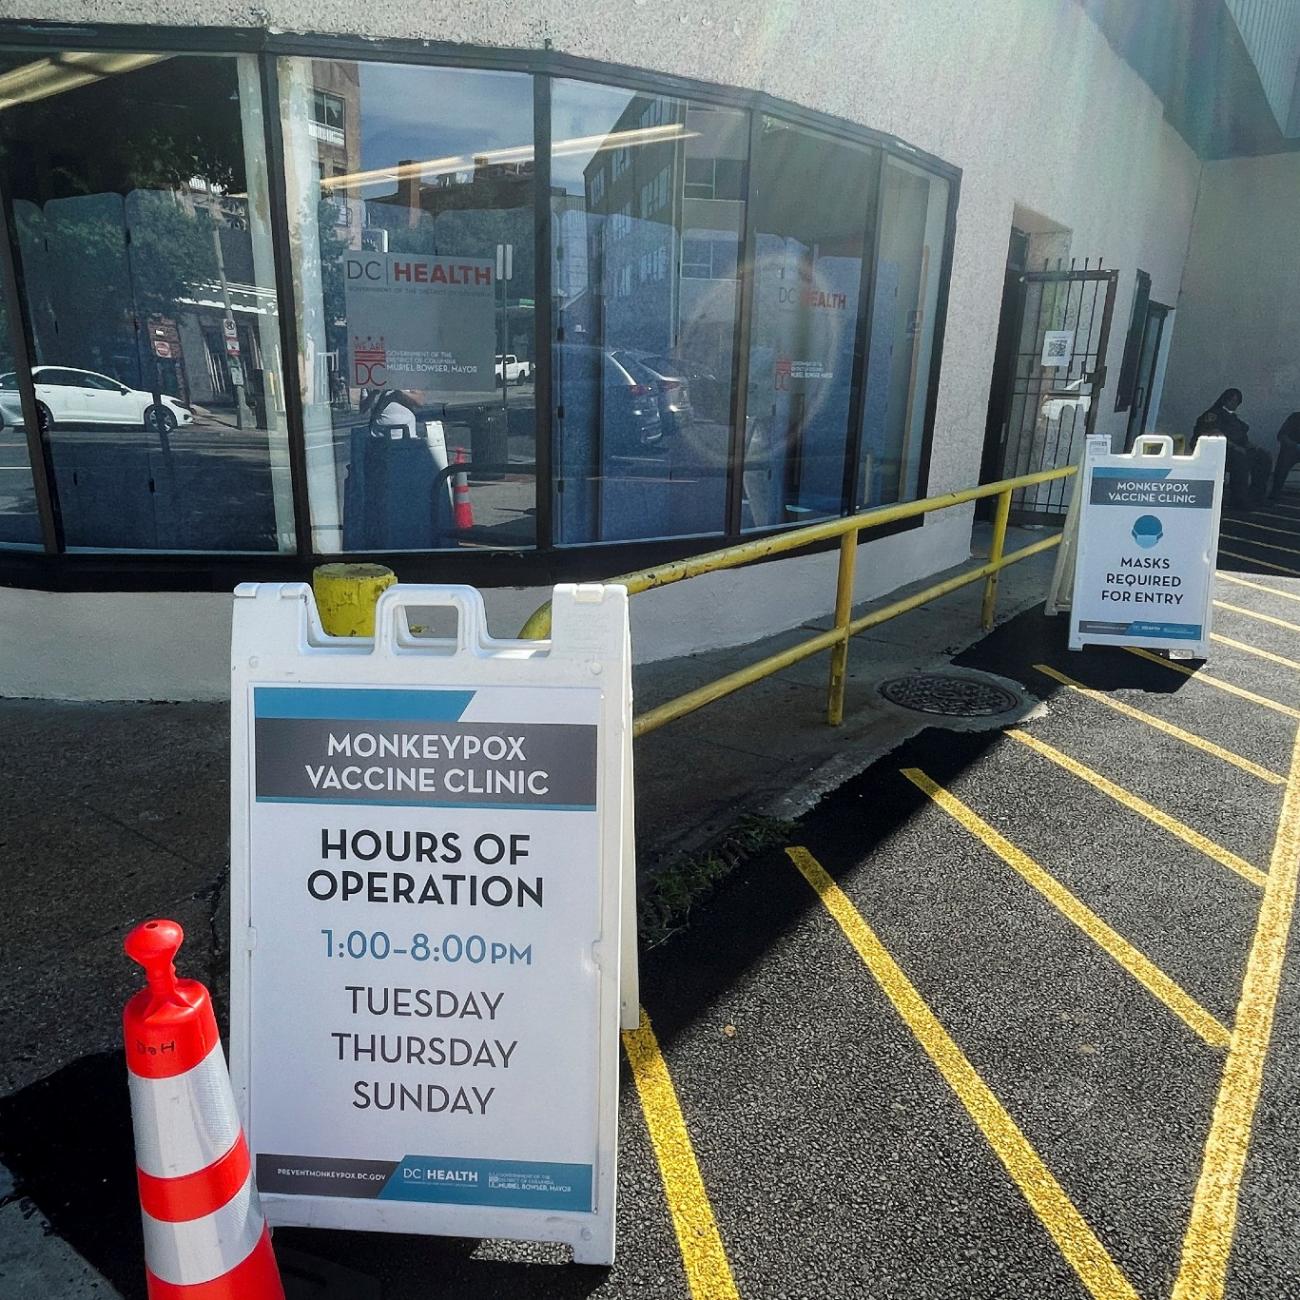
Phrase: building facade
(665,278)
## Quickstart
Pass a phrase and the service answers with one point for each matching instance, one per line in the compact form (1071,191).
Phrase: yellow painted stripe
(1213,1223)
(1269,514)
(1140,806)
(1255,586)
(1199,675)
(1294,531)
(1146,972)
(1281,660)
(708,1274)
(1254,559)
(1168,728)
(1262,618)
(1047,1198)
(1268,546)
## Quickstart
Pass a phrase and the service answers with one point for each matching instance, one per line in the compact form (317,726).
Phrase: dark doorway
(1153,333)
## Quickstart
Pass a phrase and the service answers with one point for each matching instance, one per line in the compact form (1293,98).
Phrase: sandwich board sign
(1147,545)
(428,846)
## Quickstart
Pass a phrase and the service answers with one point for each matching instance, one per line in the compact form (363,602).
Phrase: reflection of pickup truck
(516,371)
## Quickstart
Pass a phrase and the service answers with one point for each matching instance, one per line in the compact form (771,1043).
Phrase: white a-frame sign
(1147,546)
(428,845)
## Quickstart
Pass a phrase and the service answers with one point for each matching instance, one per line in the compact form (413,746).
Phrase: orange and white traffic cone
(204,1234)
(462,509)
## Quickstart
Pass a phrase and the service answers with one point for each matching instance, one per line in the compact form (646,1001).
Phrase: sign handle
(1155,444)
(391,637)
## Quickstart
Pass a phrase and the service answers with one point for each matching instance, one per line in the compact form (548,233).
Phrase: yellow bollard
(346,595)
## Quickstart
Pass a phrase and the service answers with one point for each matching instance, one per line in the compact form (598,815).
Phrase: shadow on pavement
(67,1142)
(765,898)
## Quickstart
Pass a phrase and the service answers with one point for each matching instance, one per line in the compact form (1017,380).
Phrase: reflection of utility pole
(229,330)
(505,273)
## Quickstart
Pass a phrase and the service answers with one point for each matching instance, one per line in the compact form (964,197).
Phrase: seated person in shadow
(1288,453)
(1247,465)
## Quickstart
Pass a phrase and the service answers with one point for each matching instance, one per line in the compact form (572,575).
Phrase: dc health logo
(1147,531)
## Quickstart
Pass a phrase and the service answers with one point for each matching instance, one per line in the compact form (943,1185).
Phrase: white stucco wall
(1238,319)
(1025,96)
(176,646)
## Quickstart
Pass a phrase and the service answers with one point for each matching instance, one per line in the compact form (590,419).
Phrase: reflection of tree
(333,246)
(89,284)
(119,155)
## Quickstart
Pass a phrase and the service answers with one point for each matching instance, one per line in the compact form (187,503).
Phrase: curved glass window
(739,329)
(913,223)
(411,222)
(812,209)
(648,213)
(139,192)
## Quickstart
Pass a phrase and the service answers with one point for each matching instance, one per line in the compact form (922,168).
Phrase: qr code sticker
(1057,347)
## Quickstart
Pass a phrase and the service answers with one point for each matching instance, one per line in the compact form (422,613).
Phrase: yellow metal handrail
(538,626)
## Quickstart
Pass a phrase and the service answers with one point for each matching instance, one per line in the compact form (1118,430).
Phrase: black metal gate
(1049,374)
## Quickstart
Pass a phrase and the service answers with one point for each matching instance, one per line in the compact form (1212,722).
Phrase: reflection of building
(335,126)
(665,202)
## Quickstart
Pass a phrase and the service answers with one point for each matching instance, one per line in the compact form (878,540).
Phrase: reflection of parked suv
(613,393)
(77,397)
(669,380)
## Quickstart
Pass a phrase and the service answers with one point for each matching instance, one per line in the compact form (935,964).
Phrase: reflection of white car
(76,397)
(1070,398)
(516,371)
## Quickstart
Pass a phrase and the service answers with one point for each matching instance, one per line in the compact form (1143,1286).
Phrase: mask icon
(1147,531)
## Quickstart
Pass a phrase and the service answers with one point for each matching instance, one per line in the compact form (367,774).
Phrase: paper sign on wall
(1147,546)
(427,857)
(1058,348)
(421,322)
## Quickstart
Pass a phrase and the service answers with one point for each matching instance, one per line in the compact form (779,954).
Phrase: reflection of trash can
(388,495)
(489,441)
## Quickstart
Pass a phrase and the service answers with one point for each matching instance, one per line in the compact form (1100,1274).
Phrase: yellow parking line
(1268,546)
(708,1273)
(1268,528)
(1213,1223)
(1146,972)
(1281,660)
(1200,676)
(1255,586)
(1046,1197)
(1159,724)
(1254,559)
(1263,618)
(1140,806)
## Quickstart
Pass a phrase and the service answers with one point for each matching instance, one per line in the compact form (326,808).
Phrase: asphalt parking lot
(1014,1013)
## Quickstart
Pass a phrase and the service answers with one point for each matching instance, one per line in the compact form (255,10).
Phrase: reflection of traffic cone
(462,510)
(204,1235)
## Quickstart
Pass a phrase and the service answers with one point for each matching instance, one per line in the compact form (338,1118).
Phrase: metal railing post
(995,557)
(843,613)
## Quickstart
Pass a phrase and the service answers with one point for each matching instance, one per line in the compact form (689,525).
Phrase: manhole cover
(955,697)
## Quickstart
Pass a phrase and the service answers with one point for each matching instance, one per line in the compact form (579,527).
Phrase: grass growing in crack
(665,904)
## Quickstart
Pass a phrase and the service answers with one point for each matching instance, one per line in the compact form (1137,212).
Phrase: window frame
(56,569)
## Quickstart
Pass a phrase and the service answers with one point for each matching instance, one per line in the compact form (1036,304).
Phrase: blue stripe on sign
(352,704)
(1114,471)
(517,1184)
